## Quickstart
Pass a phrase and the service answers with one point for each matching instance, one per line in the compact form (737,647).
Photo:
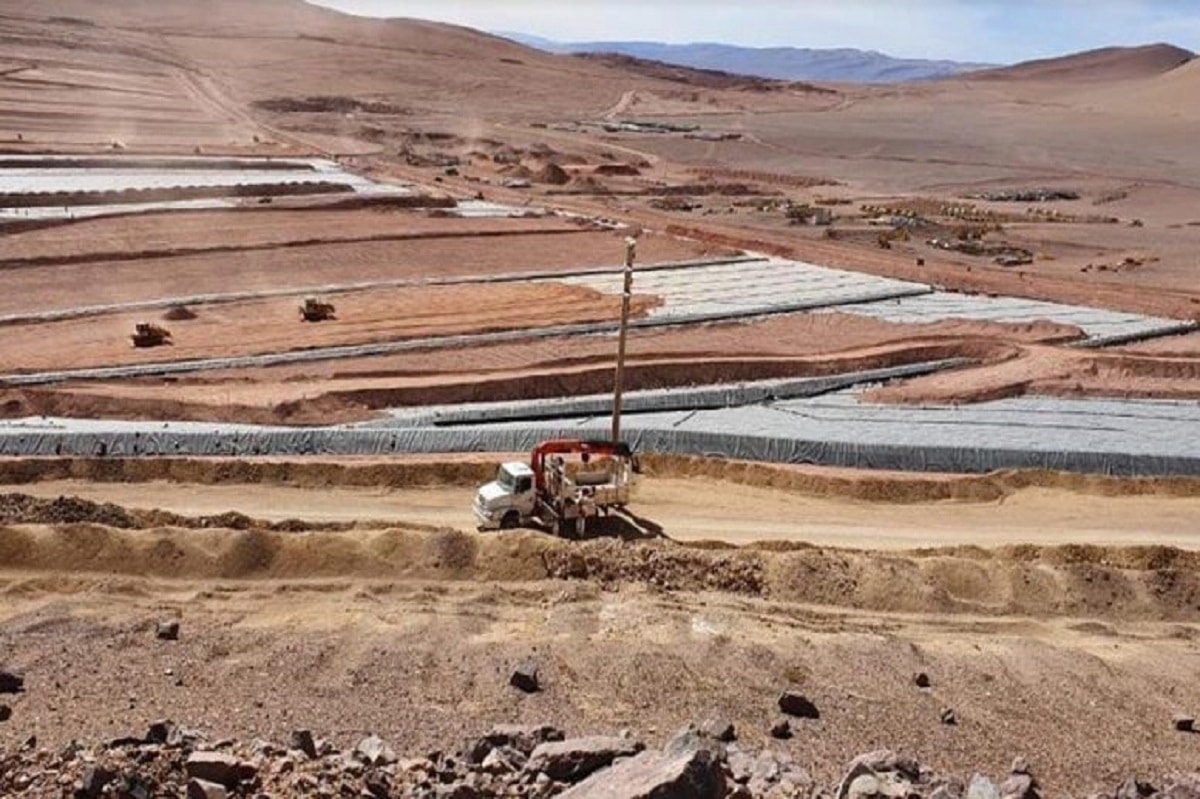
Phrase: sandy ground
(699,510)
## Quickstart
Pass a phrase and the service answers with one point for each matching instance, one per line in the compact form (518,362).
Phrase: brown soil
(274,325)
(348,390)
(1056,371)
(363,622)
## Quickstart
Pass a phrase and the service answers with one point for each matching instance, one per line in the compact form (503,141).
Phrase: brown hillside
(1106,64)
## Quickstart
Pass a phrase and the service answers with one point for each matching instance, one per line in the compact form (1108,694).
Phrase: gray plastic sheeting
(1094,436)
(677,399)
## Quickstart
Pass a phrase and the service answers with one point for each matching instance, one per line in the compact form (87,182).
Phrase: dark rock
(167,630)
(1184,723)
(576,758)
(12,681)
(202,789)
(92,780)
(525,677)
(5,712)
(218,767)
(377,784)
(720,729)
(303,741)
(523,738)
(698,774)
(798,705)
(921,679)
(374,752)
(949,716)
(161,732)
(781,729)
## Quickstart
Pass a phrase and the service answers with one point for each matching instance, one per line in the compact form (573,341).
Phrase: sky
(992,31)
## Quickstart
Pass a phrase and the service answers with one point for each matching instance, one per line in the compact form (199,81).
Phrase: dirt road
(702,509)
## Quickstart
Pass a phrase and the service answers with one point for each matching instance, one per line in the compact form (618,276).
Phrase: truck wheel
(510,520)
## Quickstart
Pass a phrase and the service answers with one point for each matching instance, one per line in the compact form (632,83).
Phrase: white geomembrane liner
(738,288)
(1096,323)
(772,283)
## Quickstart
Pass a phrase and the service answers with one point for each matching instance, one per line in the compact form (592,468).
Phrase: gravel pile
(700,762)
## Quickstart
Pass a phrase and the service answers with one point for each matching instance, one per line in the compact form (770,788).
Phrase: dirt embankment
(1056,371)
(1116,583)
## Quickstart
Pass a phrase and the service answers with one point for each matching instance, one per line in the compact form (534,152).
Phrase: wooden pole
(619,380)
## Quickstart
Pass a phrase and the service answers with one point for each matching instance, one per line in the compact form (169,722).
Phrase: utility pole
(626,296)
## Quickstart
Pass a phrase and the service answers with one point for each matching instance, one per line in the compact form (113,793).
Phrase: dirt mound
(553,174)
(179,313)
(1109,63)
(1154,583)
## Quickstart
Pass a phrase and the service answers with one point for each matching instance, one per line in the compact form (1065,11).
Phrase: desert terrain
(998,263)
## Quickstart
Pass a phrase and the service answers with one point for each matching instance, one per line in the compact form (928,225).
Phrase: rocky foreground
(700,762)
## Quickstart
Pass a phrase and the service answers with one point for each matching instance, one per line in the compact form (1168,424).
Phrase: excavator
(314,310)
(147,334)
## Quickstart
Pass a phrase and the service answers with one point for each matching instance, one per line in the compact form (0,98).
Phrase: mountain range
(783,63)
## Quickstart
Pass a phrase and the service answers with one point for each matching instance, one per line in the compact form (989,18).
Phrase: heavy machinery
(566,483)
(146,334)
(314,310)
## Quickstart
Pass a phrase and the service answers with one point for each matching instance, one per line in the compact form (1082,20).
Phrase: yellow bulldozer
(314,310)
(146,334)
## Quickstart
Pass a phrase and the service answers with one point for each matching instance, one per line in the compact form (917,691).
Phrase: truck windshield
(506,480)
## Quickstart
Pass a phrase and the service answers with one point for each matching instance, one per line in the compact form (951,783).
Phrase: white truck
(566,483)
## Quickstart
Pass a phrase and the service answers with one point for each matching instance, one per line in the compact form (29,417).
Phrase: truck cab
(508,501)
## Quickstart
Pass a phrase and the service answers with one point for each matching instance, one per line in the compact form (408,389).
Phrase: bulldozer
(146,334)
(313,310)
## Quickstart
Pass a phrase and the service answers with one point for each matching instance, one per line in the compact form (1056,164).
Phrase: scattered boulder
(1184,723)
(921,680)
(949,717)
(798,705)
(12,681)
(525,677)
(1018,786)
(202,789)
(982,788)
(575,758)
(218,767)
(696,774)
(160,732)
(522,738)
(374,752)
(93,781)
(882,773)
(167,630)
(781,729)
(302,740)
(5,713)
(719,729)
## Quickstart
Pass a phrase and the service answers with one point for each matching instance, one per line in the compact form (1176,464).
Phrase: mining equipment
(146,334)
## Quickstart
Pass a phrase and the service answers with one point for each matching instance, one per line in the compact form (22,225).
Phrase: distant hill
(782,63)
(1105,64)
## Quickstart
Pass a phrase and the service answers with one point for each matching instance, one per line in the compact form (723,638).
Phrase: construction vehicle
(566,483)
(314,310)
(146,334)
